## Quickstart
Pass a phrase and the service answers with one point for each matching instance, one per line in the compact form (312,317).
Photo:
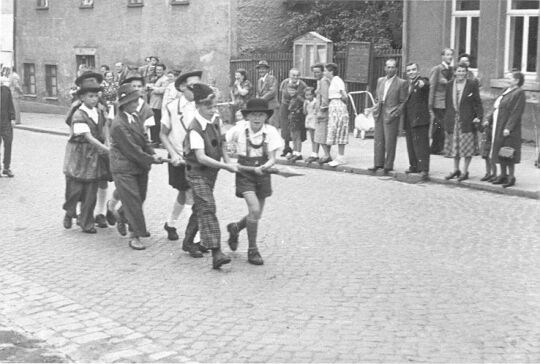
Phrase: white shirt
(387,84)
(237,136)
(336,86)
(175,118)
(130,117)
(82,128)
(195,140)
(148,122)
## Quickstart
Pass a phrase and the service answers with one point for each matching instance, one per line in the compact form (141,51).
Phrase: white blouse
(336,86)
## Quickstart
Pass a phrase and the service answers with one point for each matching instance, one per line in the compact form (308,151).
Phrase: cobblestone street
(357,268)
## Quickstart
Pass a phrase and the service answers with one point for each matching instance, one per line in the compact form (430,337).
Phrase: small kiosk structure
(309,49)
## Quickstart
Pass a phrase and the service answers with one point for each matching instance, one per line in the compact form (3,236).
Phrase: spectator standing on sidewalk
(439,76)
(7,117)
(16,93)
(416,121)
(267,88)
(291,90)
(338,114)
(156,101)
(464,113)
(321,126)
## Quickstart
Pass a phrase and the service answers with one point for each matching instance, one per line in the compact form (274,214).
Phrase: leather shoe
(387,170)
(202,248)
(90,231)
(219,259)
(453,175)
(311,160)
(374,169)
(411,170)
(424,176)
(136,244)
(463,177)
(500,180)
(194,251)
(100,221)
(510,183)
(121,227)
(486,177)
(325,160)
(171,232)
(232,228)
(254,257)
(286,151)
(68,222)
(8,173)
(110,215)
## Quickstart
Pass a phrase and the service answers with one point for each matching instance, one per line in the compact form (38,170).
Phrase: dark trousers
(204,212)
(86,193)
(385,143)
(154,130)
(437,132)
(7,137)
(132,189)
(418,147)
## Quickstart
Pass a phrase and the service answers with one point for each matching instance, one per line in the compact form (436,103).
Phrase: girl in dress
(310,110)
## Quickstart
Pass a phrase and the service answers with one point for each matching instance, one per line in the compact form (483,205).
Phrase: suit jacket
(130,152)
(7,111)
(416,111)
(268,90)
(511,109)
(390,110)
(438,79)
(470,107)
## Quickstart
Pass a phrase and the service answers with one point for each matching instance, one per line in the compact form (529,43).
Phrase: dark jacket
(130,152)
(416,111)
(470,107)
(438,79)
(7,111)
(510,111)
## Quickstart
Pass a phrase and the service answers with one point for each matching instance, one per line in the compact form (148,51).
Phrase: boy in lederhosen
(176,118)
(83,166)
(203,149)
(256,145)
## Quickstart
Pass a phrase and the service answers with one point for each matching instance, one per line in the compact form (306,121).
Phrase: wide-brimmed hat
(201,91)
(126,94)
(89,85)
(132,76)
(184,76)
(262,64)
(88,75)
(257,105)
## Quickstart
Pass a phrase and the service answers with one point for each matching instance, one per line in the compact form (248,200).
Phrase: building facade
(54,36)
(500,35)
(6,32)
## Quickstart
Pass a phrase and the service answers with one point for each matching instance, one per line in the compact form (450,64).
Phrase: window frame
(48,78)
(41,6)
(526,14)
(468,15)
(138,4)
(179,2)
(82,4)
(27,79)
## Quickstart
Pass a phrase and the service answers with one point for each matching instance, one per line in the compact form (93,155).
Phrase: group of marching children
(101,150)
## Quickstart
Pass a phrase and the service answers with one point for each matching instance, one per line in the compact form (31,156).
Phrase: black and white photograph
(269,181)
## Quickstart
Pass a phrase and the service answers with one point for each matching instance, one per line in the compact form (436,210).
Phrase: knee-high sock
(241,225)
(175,214)
(101,205)
(252,227)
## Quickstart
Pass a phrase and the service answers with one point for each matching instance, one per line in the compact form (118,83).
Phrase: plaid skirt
(338,123)
(462,145)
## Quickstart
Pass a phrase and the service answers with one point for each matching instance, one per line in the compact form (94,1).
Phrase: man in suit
(439,76)
(7,119)
(391,97)
(267,89)
(416,122)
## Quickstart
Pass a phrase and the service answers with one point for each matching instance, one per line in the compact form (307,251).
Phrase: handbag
(507,153)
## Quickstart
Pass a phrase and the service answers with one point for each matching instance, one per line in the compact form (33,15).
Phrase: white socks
(175,214)
(101,204)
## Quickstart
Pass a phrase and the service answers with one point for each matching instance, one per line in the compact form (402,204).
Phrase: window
(85,4)
(465,26)
(88,60)
(135,3)
(42,4)
(521,48)
(51,80)
(179,2)
(29,78)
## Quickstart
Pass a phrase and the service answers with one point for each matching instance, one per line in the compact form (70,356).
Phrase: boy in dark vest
(203,149)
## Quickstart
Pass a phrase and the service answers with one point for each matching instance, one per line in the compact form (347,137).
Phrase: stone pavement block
(95,336)
(162,355)
(119,355)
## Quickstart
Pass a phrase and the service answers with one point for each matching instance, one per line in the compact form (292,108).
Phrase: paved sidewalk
(360,157)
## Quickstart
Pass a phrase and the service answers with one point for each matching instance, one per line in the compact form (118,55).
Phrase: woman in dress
(506,125)
(241,91)
(290,88)
(338,115)
(110,87)
(463,114)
